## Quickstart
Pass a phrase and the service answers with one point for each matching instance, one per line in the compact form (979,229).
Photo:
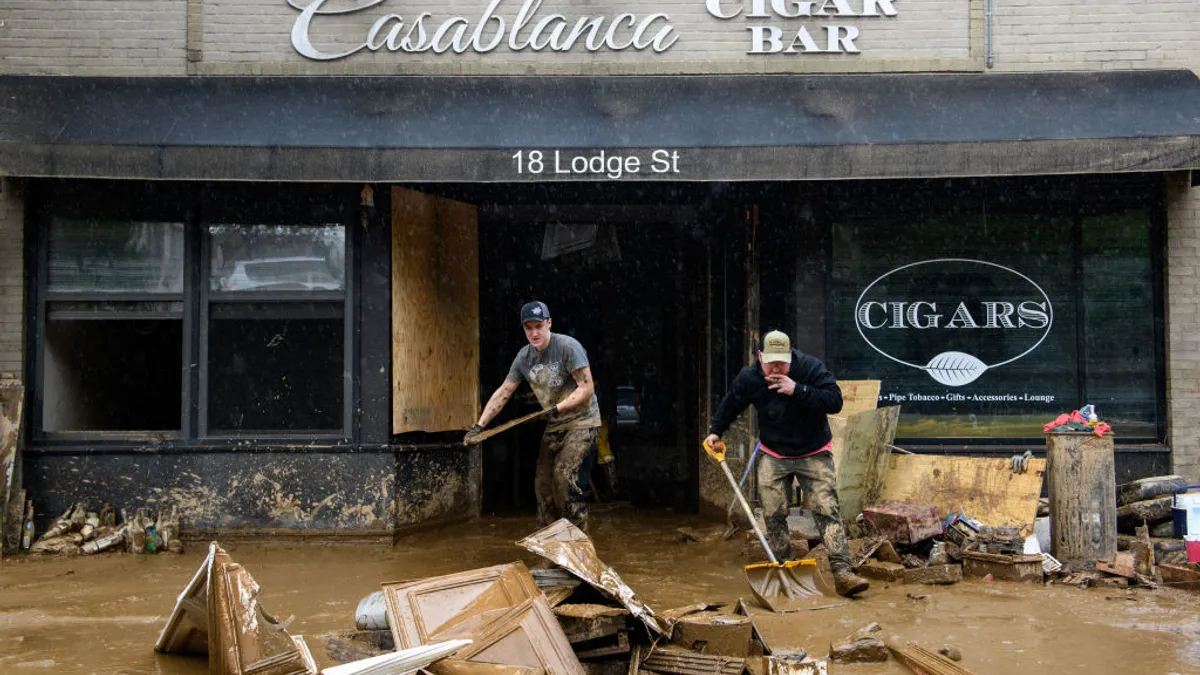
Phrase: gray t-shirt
(549,374)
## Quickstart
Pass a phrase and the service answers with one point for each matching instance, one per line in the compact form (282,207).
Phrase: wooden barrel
(1082,483)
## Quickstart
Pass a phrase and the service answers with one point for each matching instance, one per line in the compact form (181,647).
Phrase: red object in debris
(1058,422)
(1193,550)
(904,522)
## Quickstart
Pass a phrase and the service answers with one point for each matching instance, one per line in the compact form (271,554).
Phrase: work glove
(475,431)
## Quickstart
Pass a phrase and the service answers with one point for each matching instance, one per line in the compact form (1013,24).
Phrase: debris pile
(218,615)
(574,615)
(80,531)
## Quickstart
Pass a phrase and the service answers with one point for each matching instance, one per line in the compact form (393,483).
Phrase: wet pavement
(102,614)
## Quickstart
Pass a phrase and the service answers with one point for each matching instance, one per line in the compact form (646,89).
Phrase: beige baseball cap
(776,347)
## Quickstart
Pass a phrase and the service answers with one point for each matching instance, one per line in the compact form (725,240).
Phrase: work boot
(848,583)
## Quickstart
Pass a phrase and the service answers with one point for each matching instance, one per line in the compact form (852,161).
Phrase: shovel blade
(790,587)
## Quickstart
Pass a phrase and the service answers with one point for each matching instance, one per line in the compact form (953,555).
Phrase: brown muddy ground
(102,614)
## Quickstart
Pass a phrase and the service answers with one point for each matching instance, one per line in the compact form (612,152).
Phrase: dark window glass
(112,375)
(114,365)
(275,374)
(984,316)
(277,364)
(1119,367)
(94,256)
(277,258)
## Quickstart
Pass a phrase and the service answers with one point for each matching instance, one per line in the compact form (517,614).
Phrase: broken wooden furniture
(499,608)
(432,609)
(218,614)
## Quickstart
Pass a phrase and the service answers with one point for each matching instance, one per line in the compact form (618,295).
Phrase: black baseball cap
(535,311)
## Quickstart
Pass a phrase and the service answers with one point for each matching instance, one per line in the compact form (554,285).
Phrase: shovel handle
(715,450)
(737,492)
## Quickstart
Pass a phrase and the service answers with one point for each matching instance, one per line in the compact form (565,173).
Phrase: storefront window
(99,256)
(277,258)
(985,315)
(113,344)
(276,364)
(180,311)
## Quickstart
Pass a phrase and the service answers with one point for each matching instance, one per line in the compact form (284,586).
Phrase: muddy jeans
(818,481)
(563,468)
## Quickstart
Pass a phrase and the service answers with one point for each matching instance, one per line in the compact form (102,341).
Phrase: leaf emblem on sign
(954,369)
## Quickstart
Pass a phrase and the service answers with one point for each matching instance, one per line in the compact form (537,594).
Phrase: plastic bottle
(1088,412)
(153,542)
(27,527)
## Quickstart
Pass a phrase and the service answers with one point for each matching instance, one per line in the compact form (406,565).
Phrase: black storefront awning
(783,127)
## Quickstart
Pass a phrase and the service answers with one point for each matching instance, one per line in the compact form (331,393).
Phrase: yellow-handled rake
(789,586)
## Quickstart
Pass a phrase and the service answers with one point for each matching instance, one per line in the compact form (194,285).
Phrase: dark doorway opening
(622,270)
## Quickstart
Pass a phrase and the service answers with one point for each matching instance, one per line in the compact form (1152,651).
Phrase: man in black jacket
(793,392)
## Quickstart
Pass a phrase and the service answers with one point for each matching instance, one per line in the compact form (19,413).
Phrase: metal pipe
(987,41)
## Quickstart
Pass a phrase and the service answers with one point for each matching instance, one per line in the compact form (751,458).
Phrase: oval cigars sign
(954,318)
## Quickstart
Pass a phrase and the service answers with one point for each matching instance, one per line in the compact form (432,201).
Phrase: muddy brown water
(102,614)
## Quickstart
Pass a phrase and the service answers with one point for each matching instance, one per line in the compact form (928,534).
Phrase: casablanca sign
(954,318)
(534,26)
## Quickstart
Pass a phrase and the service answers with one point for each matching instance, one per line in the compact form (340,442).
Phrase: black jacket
(789,425)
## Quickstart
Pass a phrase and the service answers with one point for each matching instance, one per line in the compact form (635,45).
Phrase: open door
(435,313)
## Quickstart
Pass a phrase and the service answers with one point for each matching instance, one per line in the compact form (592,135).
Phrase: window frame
(95,199)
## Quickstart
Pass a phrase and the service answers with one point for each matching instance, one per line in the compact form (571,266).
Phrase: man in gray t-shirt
(556,367)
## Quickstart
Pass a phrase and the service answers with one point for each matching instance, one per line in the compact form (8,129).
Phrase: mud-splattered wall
(342,491)
(346,491)
(433,486)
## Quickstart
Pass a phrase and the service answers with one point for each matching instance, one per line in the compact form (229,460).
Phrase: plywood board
(435,313)
(453,605)
(983,488)
(860,454)
(859,395)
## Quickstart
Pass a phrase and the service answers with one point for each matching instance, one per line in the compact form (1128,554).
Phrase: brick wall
(1183,324)
(1095,35)
(12,278)
(93,37)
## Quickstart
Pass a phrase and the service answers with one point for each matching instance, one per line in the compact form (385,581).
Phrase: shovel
(789,586)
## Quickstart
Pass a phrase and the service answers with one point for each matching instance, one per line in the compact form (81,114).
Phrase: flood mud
(102,614)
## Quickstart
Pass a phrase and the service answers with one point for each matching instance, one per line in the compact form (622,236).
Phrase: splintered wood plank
(925,662)
(983,488)
(435,313)
(858,395)
(860,453)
